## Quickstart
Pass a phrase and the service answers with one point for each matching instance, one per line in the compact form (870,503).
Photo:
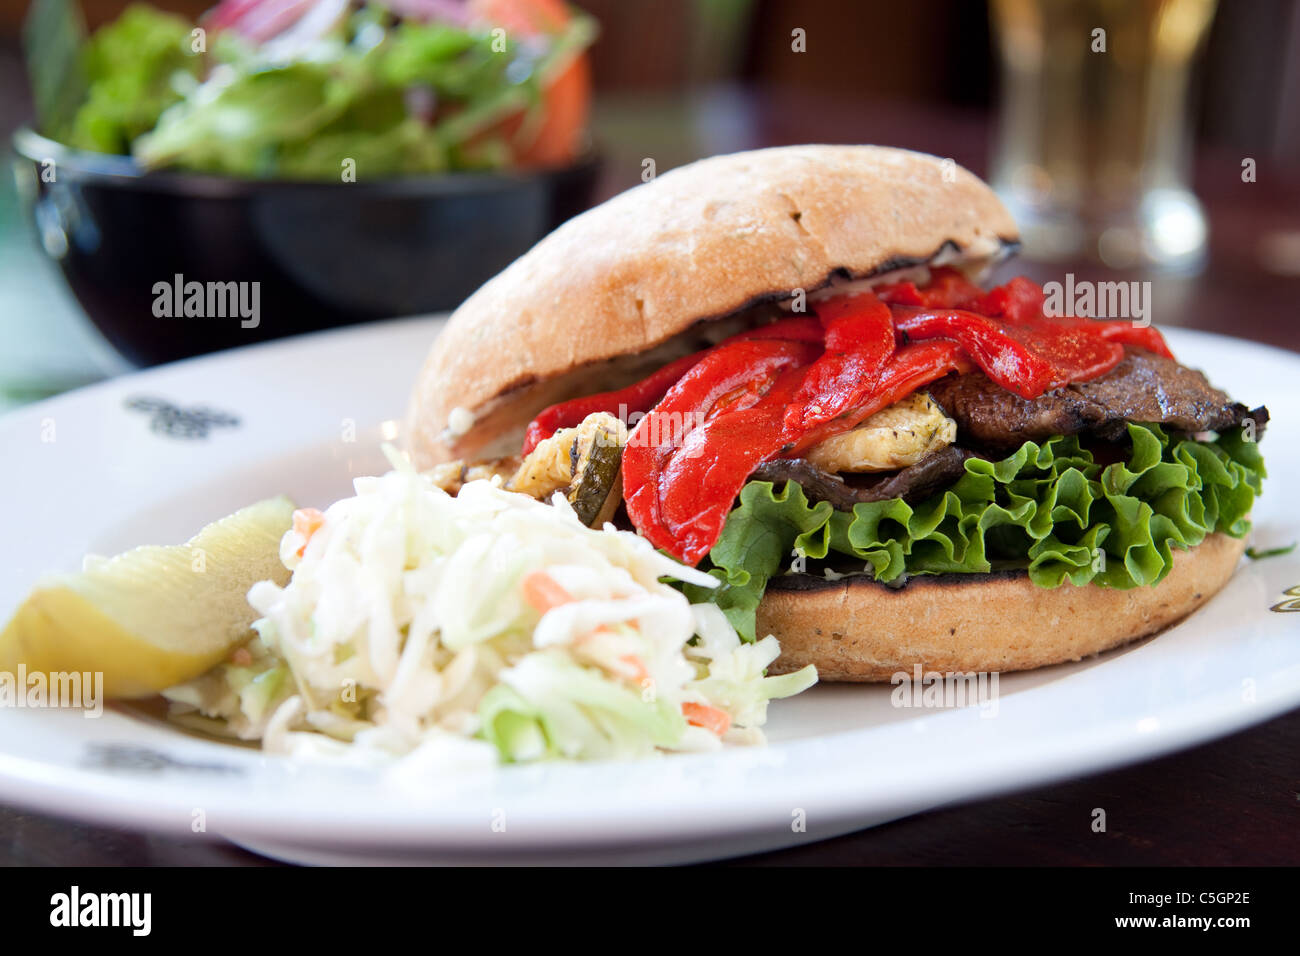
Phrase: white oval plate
(87,473)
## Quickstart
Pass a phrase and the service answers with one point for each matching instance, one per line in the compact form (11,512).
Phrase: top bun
(700,242)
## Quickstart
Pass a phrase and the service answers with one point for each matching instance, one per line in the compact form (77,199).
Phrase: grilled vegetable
(451,476)
(584,462)
(597,488)
(895,437)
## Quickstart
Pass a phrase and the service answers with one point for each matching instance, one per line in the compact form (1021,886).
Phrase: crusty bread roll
(858,630)
(697,243)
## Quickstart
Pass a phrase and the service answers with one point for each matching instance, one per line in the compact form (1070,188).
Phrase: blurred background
(1171,155)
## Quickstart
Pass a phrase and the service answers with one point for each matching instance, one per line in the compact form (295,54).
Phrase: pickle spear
(154,616)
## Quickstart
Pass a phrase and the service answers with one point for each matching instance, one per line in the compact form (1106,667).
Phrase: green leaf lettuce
(393,98)
(1050,509)
(135,68)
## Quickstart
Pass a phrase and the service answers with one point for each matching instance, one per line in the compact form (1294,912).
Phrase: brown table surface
(1233,801)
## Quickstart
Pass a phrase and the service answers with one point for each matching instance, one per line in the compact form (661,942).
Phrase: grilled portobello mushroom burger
(778,365)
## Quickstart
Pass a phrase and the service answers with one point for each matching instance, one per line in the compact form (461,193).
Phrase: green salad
(266,89)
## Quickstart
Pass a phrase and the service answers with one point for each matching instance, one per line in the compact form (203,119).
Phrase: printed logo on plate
(173,421)
(144,760)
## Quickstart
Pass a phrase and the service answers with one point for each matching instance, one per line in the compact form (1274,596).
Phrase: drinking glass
(1093,151)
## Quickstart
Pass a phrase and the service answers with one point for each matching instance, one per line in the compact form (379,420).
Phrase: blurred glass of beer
(1093,148)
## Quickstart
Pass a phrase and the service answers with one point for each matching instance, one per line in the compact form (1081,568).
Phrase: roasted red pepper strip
(947,289)
(1122,333)
(700,480)
(1126,333)
(860,339)
(855,322)
(746,368)
(1022,301)
(911,367)
(642,396)
(1025,359)
(795,329)
(1019,300)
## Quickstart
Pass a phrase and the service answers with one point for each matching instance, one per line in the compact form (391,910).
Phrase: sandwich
(784,367)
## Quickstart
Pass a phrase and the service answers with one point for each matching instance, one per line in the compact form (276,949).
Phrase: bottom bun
(858,630)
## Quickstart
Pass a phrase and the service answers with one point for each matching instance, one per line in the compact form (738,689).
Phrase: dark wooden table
(1234,801)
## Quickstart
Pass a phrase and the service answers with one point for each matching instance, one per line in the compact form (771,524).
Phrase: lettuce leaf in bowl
(360,89)
(135,67)
(1051,509)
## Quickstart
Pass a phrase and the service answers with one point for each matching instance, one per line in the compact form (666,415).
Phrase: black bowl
(307,255)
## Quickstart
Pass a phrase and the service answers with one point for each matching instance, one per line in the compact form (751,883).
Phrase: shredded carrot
(241,657)
(636,669)
(601,631)
(307,521)
(710,718)
(543,592)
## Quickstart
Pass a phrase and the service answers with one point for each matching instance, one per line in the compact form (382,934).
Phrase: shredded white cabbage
(482,627)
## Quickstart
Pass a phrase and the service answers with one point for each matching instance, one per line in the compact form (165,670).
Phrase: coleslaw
(487,627)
